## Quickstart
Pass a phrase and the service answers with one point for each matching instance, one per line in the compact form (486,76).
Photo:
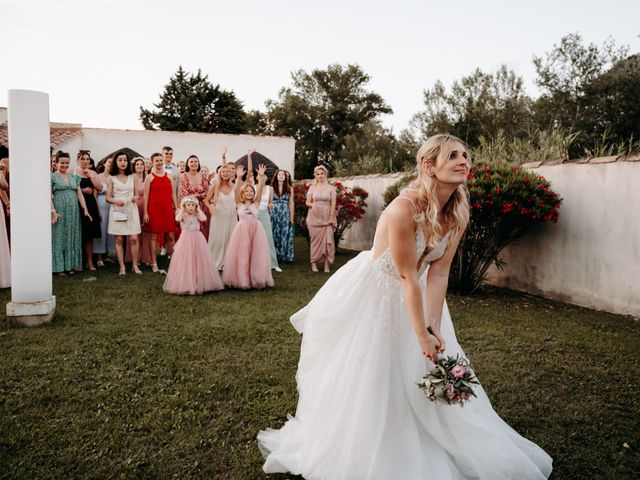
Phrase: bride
(360,414)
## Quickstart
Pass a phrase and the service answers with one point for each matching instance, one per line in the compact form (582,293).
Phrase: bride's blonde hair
(436,150)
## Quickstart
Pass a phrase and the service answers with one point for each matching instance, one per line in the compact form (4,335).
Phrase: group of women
(128,206)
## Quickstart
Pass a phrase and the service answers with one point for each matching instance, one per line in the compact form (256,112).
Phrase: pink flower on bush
(458,371)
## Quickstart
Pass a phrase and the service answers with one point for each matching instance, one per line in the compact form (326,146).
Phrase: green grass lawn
(128,382)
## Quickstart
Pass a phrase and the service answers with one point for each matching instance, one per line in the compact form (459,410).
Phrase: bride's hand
(430,347)
(438,335)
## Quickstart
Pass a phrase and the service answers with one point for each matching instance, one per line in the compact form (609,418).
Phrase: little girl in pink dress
(191,271)
(247,262)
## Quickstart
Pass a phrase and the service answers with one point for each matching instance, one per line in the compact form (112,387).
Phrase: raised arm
(239,182)
(224,155)
(262,178)
(292,210)
(402,243)
(437,282)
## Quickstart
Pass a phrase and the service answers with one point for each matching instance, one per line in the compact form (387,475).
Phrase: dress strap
(415,207)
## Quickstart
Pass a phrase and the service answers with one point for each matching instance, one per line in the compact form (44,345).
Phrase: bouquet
(450,381)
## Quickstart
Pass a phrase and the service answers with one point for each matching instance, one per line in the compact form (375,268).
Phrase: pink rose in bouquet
(450,381)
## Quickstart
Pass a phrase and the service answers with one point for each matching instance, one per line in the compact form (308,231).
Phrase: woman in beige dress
(222,205)
(321,219)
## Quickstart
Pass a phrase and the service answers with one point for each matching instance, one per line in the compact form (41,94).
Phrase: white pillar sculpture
(32,302)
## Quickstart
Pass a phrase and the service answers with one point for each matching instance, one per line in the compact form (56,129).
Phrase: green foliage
(374,149)
(321,110)
(537,146)
(191,103)
(128,382)
(479,105)
(573,95)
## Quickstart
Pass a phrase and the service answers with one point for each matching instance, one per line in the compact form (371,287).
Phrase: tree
(374,149)
(479,105)
(320,110)
(191,103)
(611,103)
(563,76)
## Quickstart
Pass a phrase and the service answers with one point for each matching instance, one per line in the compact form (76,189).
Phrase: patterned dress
(66,234)
(282,228)
(199,191)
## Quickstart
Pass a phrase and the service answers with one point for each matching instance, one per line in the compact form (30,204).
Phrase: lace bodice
(385,264)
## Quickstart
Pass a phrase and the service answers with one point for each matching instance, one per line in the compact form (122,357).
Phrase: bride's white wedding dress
(360,414)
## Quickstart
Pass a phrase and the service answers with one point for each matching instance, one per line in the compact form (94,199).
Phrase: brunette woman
(144,255)
(124,220)
(66,233)
(90,185)
(282,216)
(194,184)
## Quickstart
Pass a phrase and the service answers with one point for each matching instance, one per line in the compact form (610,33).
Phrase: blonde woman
(222,206)
(365,336)
(321,219)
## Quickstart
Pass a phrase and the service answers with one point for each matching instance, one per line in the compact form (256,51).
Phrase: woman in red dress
(194,184)
(159,205)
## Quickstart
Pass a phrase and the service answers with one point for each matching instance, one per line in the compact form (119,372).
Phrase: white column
(32,302)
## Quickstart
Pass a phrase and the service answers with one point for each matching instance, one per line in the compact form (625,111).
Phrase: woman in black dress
(90,185)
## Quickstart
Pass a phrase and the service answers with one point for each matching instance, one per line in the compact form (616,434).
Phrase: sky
(100,60)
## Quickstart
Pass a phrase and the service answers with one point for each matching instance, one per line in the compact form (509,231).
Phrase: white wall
(207,146)
(360,235)
(591,257)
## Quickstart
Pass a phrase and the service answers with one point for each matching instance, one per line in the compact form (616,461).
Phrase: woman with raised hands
(246,263)
(224,217)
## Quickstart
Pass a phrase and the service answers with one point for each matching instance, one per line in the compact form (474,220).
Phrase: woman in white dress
(124,219)
(360,414)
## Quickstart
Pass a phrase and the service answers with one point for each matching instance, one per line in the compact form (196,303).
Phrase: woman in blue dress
(282,216)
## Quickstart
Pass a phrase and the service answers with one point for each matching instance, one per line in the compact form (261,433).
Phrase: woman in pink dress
(144,254)
(321,219)
(247,262)
(191,271)
(5,259)
(194,183)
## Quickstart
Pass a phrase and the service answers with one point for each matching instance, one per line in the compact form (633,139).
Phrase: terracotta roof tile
(58,134)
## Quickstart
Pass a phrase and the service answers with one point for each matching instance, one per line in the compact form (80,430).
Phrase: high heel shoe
(136,270)
(154,268)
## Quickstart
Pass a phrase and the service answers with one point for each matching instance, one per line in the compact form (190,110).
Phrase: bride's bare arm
(437,282)
(402,243)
